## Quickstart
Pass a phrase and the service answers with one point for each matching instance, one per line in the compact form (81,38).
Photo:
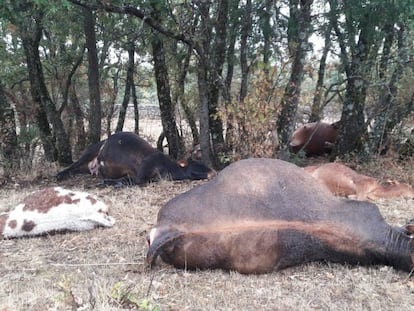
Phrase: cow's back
(122,154)
(127,143)
(258,189)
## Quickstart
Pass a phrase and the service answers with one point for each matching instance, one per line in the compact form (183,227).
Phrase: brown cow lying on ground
(125,158)
(314,138)
(262,215)
(344,181)
(54,210)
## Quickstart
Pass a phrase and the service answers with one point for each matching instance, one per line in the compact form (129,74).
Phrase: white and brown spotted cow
(53,210)
(263,215)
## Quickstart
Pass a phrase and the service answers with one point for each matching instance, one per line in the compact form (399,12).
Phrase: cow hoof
(102,185)
(119,185)
(113,183)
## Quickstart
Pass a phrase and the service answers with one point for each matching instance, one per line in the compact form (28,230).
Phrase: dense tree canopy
(240,75)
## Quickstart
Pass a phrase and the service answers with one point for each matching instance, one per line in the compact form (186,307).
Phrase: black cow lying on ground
(128,159)
(263,215)
(85,165)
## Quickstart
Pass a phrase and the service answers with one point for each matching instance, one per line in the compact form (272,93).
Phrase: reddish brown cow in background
(262,215)
(314,138)
(344,181)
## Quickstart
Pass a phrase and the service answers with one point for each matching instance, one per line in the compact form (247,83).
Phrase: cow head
(196,170)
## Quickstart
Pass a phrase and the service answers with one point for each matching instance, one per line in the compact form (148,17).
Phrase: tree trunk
(189,115)
(203,49)
(316,110)
(68,83)
(181,64)
(298,34)
(79,128)
(167,109)
(128,86)
(95,110)
(175,143)
(24,108)
(245,33)
(390,113)
(218,57)
(8,136)
(112,101)
(353,128)
(180,96)
(42,122)
(46,109)
(267,32)
(204,113)
(230,57)
(136,110)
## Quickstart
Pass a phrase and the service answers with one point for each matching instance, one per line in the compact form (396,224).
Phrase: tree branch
(68,83)
(130,10)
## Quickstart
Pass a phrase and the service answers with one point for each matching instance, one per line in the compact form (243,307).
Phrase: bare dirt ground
(105,269)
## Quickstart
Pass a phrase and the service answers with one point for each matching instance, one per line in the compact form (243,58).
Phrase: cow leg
(105,184)
(119,182)
(152,167)
(142,177)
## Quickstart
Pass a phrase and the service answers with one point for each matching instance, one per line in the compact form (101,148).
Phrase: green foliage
(146,304)
(28,135)
(67,296)
(28,141)
(126,297)
(251,124)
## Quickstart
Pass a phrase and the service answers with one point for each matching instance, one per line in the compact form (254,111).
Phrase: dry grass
(104,269)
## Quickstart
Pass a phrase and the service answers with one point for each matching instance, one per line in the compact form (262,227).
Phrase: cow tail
(161,241)
(62,175)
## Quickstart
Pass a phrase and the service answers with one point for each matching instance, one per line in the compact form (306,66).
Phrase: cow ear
(182,163)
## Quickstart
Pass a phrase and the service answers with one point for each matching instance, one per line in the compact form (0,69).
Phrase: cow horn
(159,243)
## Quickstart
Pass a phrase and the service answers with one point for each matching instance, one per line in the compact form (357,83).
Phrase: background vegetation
(234,76)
